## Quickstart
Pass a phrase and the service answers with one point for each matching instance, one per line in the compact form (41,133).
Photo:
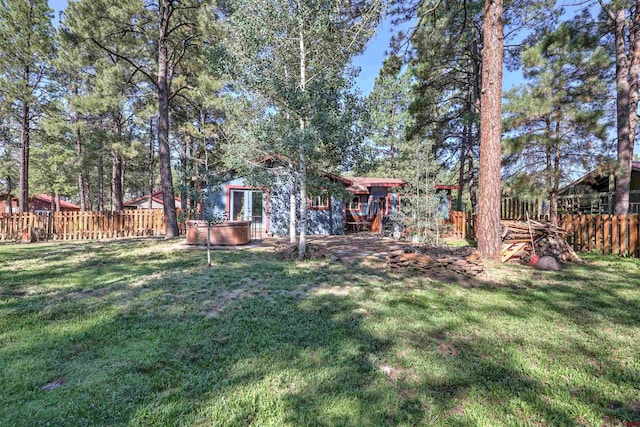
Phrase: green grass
(140,335)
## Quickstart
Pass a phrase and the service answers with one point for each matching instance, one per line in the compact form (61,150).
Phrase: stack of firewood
(439,261)
(548,240)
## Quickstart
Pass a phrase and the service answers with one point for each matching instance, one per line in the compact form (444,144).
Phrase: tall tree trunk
(625,145)
(472,183)
(292,207)
(101,180)
(57,200)
(302,244)
(151,162)
(463,156)
(490,132)
(123,179)
(9,198)
(79,154)
(24,154)
(164,153)
(81,180)
(87,192)
(116,183)
(184,160)
(553,200)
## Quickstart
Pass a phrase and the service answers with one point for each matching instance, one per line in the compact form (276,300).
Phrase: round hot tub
(227,233)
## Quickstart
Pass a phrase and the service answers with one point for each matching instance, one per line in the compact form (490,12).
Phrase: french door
(248,205)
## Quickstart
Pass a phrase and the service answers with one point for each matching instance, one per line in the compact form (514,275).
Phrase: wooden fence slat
(615,246)
(598,233)
(633,235)
(624,233)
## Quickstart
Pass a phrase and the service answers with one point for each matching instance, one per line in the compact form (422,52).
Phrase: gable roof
(48,199)
(156,197)
(592,178)
(362,185)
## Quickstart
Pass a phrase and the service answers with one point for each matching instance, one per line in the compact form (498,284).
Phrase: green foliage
(389,121)
(556,122)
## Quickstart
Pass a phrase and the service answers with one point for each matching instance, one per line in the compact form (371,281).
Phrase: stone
(548,263)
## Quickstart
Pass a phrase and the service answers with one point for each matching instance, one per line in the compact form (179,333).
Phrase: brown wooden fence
(461,225)
(514,208)
(86,225)
(605,234)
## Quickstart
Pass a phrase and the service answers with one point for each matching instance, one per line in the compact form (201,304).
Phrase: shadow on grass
(130,339)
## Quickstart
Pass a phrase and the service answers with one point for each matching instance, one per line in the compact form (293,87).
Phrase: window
(354,204)
(320,202)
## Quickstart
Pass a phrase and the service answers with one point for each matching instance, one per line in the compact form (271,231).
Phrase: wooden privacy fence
(85,225)
(462,225)
(516,209)
(605,234)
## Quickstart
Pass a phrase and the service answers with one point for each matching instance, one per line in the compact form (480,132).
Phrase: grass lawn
(134,334)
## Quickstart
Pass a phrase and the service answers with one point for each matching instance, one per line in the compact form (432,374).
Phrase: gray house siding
(218,198)
(329,221)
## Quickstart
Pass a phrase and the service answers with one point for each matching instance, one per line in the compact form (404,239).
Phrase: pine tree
(489,184)
(624,19)
(556,121)
(26,43)
(156,39)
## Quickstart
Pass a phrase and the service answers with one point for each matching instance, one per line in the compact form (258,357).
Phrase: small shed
(153,201)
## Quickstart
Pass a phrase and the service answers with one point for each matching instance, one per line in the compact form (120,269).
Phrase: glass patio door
(248,205)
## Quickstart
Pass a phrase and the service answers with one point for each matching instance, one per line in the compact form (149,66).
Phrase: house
(594,193)
(360,200)
(142,202)
(37,203)
(8,200)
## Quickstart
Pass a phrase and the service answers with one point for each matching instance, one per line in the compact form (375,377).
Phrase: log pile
(548,240)
(438,261)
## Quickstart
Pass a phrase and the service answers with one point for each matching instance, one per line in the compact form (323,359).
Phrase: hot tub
(227,233)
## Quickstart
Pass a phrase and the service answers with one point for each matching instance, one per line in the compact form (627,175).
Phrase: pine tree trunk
(472,184)
(87,192)
(101,181)
(24,155)
(184,165)
(625,145)
(490,132)
(151,163)
(463,157)
(79,155)
(553,200)
(164,153)
(116,183)
(9,198)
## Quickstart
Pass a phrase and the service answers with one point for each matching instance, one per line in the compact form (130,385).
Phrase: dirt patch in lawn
(53,384)
(258,288)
